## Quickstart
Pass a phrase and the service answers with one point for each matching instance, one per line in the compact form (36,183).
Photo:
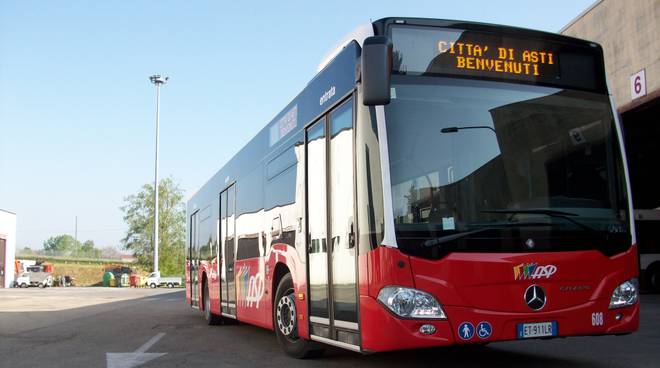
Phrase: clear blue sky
(77,111)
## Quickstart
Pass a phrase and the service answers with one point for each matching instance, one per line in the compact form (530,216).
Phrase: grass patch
(85,274)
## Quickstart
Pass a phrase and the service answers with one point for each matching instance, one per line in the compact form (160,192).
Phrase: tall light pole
(157,79)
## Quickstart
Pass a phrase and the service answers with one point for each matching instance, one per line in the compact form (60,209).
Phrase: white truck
(154,280)
(40,279)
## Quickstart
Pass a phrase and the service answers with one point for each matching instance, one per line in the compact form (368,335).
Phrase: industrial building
(629,32)
(7,247)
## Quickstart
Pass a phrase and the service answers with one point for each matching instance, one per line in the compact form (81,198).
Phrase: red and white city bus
(438,182)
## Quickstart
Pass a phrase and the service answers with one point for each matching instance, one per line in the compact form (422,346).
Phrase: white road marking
(150,343)
(136,358)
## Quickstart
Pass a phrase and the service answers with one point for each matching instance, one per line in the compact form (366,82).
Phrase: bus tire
(152,285)
(24,285)
(652,274)
(285,323)
(170,285)
(211,319)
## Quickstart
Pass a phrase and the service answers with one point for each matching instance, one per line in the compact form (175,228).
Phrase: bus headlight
(411,303)
(625,294)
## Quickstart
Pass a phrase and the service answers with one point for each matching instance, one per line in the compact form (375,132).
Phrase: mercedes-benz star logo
(535,297)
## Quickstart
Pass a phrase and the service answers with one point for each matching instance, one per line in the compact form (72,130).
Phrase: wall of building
(629,32)
(8,232)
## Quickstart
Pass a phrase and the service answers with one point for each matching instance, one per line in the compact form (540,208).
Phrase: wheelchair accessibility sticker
(484,330)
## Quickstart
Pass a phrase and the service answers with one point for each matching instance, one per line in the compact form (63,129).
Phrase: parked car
(40,279)
(23,280)
(154,280)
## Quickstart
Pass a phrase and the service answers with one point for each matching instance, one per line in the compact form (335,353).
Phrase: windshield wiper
(548,212)
(531,211)
(449,238)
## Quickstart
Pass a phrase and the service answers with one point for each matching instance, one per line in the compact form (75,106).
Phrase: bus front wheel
(285,321)
(211,319)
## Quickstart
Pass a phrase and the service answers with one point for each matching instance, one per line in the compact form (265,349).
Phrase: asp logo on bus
(533,271)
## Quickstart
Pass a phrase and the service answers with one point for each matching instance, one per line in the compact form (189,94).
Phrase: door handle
(351,238)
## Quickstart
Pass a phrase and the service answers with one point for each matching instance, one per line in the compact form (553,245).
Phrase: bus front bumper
(382,331)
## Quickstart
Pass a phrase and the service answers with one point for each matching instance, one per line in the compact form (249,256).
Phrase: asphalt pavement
(97,327)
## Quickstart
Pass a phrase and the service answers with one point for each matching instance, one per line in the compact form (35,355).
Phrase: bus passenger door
(227,232)
(193,261)
(332,266)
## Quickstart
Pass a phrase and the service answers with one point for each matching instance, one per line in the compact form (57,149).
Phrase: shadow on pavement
(453,356)
(81,337)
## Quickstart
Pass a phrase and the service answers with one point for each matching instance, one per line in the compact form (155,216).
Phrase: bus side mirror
(376,70)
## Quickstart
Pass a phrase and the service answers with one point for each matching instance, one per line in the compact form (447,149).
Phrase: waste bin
(124,280)
(108,278)
(134,280)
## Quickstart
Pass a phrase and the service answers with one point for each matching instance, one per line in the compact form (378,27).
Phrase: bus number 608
(597,319)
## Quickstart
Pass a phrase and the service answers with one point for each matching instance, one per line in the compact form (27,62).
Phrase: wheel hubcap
(286,315)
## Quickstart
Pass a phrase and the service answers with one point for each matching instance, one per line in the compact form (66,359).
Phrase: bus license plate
(542,329)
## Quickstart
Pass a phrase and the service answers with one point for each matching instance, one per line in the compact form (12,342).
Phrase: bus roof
(380,28)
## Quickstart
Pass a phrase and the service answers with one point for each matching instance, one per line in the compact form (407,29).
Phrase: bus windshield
(480,165)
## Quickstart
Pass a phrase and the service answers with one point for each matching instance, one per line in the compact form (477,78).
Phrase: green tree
(87,247)
(62,245)
(66,245)
(139,215)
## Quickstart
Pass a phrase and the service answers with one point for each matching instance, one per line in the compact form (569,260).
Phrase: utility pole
(75,244)
(157,79)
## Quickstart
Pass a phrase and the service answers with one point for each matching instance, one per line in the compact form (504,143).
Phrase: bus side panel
(251,305)
(388,266)
(202,271)
(188,282)
(380,330)
(208,269)
(363,274)
(213,278)
(288,256)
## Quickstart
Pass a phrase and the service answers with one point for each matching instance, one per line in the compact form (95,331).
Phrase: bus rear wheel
(211,319)
(285,321)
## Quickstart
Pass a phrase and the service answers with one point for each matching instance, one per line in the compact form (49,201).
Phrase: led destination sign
(425,50)
(490,58)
